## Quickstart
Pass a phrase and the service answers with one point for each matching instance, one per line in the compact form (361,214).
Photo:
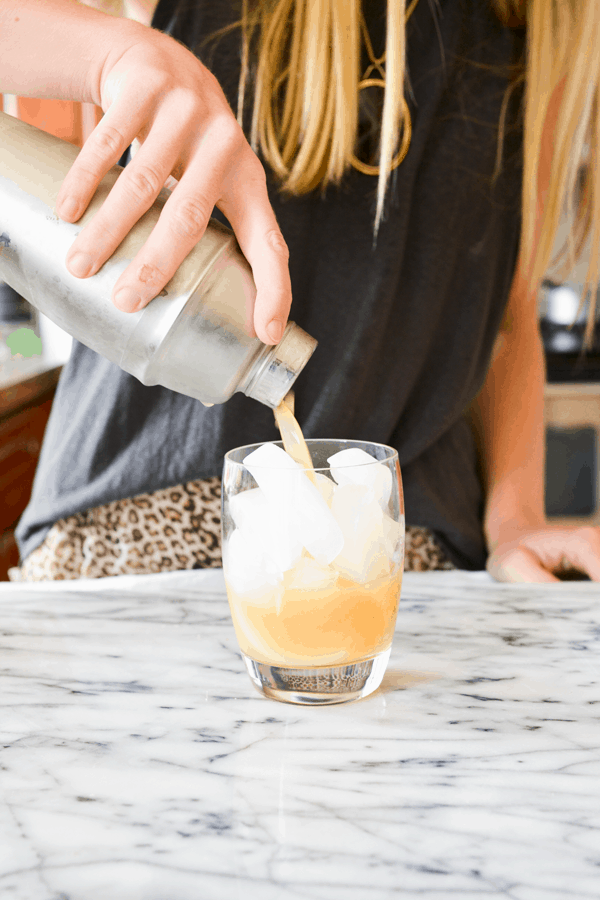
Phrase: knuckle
(187,103)
(277,243)
(190,217)
(226,133)
(143,182)
(159,79)
(106,142)
(256,170)
(190,103)
(230,132)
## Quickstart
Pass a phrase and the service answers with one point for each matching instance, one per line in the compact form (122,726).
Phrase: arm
(508,415)
(151,88)
(509,418)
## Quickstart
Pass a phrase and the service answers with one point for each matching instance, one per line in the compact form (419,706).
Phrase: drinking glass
(313,563)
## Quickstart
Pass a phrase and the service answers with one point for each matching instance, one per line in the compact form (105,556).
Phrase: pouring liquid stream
(318,615)
(291,435)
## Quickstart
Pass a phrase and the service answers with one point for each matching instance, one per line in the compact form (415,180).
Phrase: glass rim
(390,457)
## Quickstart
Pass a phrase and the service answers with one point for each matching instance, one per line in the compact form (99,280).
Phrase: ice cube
(276,474)
(310,575)
(251,511)
(314,522)
(247,571)
(298,502)
(349,501)
(354,466)
(364,556)
(248,508)
(325,486)
(392,536)
(270,461)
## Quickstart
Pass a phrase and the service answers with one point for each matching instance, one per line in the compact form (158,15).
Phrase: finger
(245,202)
(181,225)
(133,194)
(582,550)
(518,564)
(102,150)
(179,228)
(183,219)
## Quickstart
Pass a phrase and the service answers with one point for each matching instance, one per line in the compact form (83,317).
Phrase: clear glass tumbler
(313,563)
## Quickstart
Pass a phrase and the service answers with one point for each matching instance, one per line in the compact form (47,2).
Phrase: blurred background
(33,350)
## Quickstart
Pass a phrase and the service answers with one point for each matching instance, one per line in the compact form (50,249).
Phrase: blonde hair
(305,113)
(562,91)
(305,110)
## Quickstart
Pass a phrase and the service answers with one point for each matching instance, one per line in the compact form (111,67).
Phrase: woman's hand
(538,555)
(153,89)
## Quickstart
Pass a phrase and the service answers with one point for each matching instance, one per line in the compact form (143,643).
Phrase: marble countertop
(139,763)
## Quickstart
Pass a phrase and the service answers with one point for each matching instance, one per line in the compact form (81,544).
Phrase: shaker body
(194,338)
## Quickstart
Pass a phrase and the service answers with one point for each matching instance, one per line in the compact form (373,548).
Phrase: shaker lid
(276,369)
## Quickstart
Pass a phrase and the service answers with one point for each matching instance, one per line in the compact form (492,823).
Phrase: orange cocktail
(313,562)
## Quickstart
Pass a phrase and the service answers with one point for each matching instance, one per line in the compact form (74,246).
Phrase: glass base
(319,685)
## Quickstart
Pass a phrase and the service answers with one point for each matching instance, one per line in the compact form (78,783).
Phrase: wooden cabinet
(24,411)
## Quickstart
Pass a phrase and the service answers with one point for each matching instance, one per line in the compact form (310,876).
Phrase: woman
(417,280)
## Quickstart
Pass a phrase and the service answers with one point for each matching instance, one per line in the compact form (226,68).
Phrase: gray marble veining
(137,762)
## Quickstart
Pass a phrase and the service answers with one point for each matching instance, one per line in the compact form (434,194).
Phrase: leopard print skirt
(170,529)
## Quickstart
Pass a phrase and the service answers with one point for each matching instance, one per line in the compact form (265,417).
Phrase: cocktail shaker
(193,338)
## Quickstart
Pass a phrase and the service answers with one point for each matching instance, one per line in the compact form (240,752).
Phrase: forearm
(58,48)
(509,415)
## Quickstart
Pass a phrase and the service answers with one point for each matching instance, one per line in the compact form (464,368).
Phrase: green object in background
(24,341)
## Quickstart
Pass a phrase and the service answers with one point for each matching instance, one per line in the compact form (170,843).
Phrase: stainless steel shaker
(192,338)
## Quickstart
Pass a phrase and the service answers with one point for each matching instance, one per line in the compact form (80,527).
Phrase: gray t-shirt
(405,328)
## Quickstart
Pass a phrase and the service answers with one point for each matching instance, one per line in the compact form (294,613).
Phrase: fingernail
(275,330)
(127,300)
(68,208)
(80,264)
